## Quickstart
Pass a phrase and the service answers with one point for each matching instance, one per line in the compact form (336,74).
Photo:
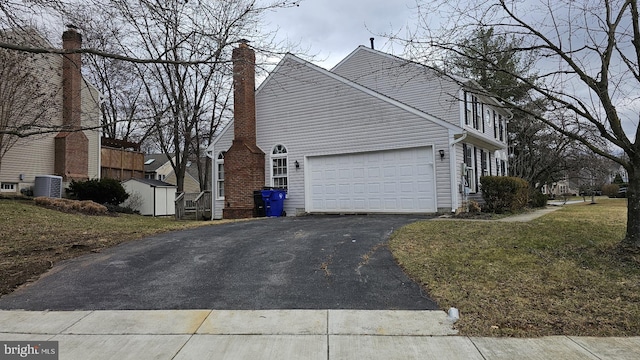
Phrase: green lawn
(557,275)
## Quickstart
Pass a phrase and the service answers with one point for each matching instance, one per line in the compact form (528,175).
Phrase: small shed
(157,198)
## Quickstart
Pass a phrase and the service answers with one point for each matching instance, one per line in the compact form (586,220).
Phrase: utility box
(48,185)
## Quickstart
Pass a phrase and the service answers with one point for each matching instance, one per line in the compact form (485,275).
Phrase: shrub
(103,191)
(504,193)
(121,209)
(610,190)
(538,199)
(28,192)
(474,207)
(618,179)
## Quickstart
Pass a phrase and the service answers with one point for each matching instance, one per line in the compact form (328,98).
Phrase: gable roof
(459,80)
(153,162)
(363,89)
(152,182)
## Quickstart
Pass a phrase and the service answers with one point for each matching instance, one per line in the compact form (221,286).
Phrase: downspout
(454,171)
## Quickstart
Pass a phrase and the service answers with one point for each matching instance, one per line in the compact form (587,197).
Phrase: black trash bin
(258,204)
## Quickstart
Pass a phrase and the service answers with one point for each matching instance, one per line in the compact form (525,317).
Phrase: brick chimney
(244,161)
(71,145)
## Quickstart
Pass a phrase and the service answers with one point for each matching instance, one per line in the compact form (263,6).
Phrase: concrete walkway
(286,334)
(530,215)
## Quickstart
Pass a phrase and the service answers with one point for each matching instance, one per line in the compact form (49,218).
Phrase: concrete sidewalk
(286,334)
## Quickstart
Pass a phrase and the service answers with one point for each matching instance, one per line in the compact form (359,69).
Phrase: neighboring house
(152,197)
(620,170)
(559,188)
(158,167)
(376,134)
(71,154)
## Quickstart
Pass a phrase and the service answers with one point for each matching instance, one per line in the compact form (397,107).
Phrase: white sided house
(73,107)
(376,134)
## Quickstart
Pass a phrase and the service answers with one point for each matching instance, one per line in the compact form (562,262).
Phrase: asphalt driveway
(314,262)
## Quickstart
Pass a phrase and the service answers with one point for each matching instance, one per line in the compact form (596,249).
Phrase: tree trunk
(631,241)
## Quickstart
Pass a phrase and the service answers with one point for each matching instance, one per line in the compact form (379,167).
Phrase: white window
(279,169)
(8,187)
(487,120)
(469,175)
(220,175)
(484,163)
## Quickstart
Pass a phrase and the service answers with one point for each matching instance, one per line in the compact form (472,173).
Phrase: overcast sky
(331,29)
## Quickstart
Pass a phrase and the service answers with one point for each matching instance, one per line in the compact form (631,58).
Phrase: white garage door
(393,181)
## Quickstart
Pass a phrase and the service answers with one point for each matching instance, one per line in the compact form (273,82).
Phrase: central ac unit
(48,185)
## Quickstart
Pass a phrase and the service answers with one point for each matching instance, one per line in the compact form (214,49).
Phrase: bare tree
(185,91)
(163,65)
(536,153)
(589,69)
(27,94)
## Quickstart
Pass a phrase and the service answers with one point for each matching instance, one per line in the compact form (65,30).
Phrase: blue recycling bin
(274,202)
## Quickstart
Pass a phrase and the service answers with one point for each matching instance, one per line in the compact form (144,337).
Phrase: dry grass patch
(34,238)
(557,275)
(72,206)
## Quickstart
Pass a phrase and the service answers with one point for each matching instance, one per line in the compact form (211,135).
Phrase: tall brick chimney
(244,161)
(71,145)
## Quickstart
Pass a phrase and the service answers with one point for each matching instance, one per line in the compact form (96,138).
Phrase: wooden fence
(198,204)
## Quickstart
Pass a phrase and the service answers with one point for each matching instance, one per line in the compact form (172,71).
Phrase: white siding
(144,191)
(405,81)
(34,155)
(222,143)
(313,114)
(418,87)
(91,119)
